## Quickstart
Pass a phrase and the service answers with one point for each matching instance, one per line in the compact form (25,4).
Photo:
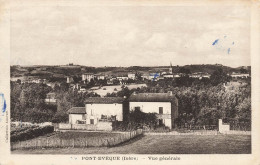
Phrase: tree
(140,119)
(184,70)
(219,76)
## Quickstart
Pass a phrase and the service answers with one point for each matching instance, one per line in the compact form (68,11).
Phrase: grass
(164,144)
(74,135)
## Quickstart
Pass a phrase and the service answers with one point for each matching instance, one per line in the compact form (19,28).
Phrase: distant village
(101,79)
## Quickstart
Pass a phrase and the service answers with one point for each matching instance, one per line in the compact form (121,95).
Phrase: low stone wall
(235,132)
(214,132)
(206,132)
(101,126)
(223,128)
(64,126)
(104,126)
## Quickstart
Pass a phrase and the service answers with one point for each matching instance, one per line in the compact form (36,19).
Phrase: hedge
(31,133)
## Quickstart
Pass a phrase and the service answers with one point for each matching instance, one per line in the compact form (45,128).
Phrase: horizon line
(127,66)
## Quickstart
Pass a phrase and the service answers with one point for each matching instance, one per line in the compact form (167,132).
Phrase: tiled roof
(104,100)
(77,110)
(152,97)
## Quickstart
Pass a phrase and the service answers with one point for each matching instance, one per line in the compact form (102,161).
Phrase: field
(110,89)
(164,144)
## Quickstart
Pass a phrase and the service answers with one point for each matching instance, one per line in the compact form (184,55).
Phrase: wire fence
(54,142)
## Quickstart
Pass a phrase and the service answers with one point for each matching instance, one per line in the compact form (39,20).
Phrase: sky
(130,35)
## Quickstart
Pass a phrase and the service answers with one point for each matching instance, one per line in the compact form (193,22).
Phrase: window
(160,122)
(83,117)
(104,117)
(137,108)
(91,121)
(160,110)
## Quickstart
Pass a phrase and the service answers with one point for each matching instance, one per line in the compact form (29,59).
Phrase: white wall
(168,123)
(104,109)
(223,128)
(74,117)
(152,107)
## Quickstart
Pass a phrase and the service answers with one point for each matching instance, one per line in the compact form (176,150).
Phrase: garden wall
(101,126)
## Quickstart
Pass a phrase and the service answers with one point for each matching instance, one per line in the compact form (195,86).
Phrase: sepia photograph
(130,80)
(135,79)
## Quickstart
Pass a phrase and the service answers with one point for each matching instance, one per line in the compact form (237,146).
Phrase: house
(154,76)
(168,76)
(87,76)
(145,76)
(165,105)
(131,76)
(176,75)
(50,98)
(83,89)
(240,75)
(109,82)
(69,80)
(77,115)
(199,75)
(97,114)
(106,109)
(122,77)
(99,77)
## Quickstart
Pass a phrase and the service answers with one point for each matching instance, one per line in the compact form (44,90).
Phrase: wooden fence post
(47,142)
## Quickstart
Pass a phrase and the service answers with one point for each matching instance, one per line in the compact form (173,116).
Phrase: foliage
(28,102)
(200,104)
(136,119)
(219,76)
(30,133)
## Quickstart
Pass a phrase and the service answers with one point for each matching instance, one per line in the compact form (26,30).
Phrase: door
(137,109)
(91,121)
(160,122)
(160,110)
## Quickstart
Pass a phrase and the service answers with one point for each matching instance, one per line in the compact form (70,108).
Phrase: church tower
(170,69)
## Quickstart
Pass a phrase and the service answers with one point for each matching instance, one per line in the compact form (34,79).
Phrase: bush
(136,120)
(30,133)
(60,117)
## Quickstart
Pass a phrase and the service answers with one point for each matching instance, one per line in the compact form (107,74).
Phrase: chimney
(134,93)
(170,93)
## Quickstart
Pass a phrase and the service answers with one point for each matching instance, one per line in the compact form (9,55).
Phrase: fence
(77,142)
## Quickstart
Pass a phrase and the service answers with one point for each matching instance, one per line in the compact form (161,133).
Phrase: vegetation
(30,133)
(136,119)
(28,102)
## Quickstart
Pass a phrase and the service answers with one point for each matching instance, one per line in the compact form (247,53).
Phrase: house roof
(77,110)
(152,97)
(104,100)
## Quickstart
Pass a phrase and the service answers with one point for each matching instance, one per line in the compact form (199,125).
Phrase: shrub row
(21,129)
(31,133)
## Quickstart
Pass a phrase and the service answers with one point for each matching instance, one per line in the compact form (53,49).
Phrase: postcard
(154,82)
